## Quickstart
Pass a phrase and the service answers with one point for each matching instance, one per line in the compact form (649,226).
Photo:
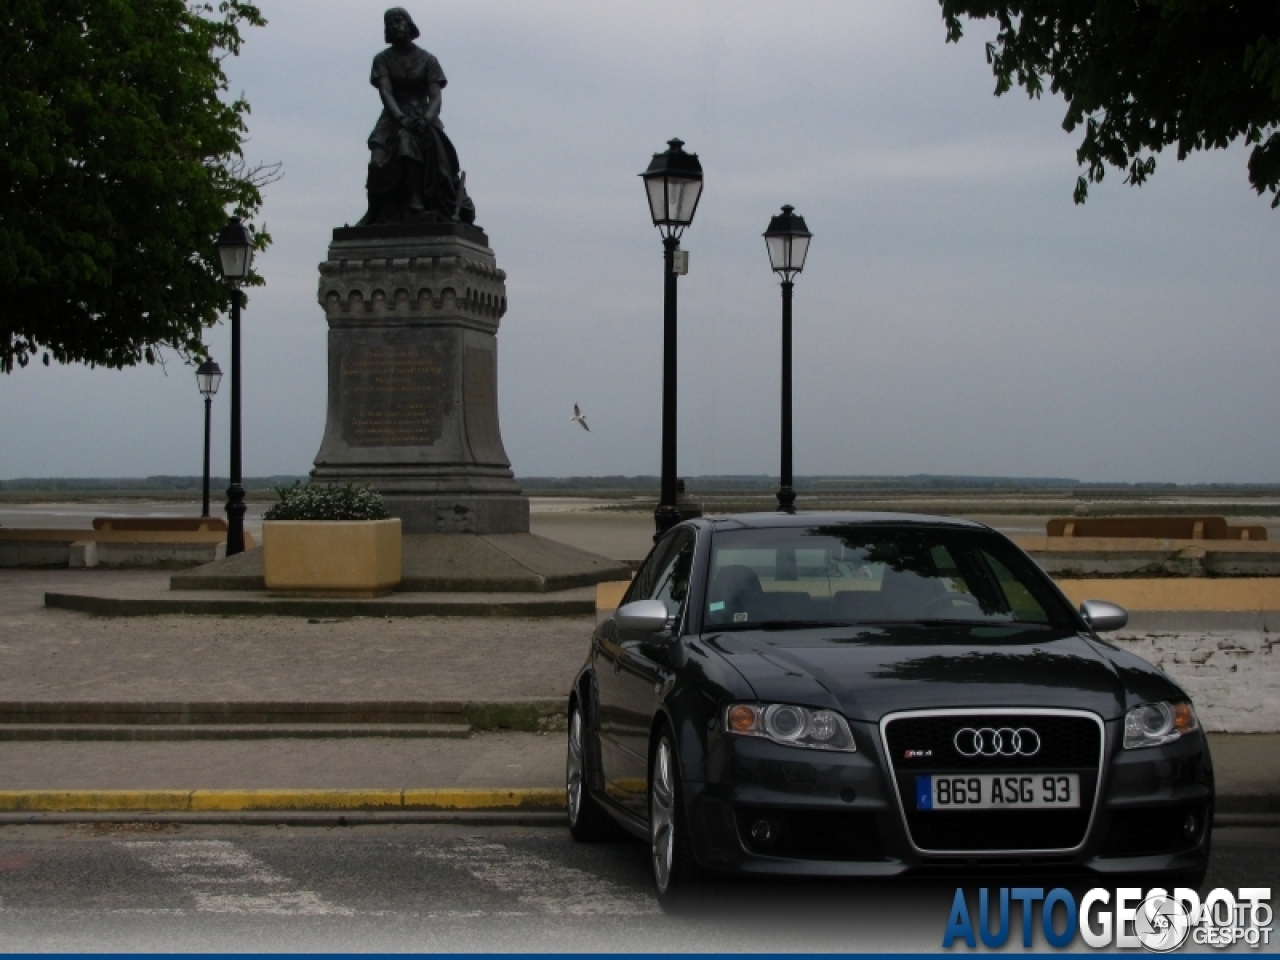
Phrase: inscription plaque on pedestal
(395,395)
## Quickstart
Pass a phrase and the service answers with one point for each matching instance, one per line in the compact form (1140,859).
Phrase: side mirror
(1103,616)
(642,616)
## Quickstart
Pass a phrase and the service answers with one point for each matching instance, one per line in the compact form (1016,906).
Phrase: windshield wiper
(783,624)
(956,622)
(879,624)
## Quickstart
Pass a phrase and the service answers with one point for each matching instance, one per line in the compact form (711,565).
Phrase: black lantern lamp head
(674,184)
(208,377)
(235,251)
(788,241)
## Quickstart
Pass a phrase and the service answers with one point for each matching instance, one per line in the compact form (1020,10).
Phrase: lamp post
(235,251)
(208,377)
(673,184)
(788,242)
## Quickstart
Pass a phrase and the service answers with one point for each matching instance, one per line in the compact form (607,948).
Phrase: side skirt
(628,821)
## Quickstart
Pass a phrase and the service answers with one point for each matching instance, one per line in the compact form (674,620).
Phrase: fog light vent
(1189,826)
(764,832)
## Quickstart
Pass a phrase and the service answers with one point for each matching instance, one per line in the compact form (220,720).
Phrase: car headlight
(792,726)
(1152,724)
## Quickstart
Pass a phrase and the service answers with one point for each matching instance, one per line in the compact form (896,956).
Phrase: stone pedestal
(413,314)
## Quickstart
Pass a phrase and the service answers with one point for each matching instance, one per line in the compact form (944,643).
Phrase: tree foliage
(1142,75)
(120,159)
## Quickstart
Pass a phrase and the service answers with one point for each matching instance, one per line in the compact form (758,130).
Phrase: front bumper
(837,814)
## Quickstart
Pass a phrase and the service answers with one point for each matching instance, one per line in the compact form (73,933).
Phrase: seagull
(579,418)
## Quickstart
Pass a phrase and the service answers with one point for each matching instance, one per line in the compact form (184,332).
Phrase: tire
(588,822)
(676,874)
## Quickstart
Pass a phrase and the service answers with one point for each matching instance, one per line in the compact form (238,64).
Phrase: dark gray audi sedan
(873,695)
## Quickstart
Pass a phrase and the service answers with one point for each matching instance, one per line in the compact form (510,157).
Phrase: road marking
(540,883)
(205,867)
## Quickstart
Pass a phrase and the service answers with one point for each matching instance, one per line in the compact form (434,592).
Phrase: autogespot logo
(993,742)
(1158,921)
(1162,923)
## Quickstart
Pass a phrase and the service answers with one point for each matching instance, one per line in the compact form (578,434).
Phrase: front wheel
(588,822)
(675,869)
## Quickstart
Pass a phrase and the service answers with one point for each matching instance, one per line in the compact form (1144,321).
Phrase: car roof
(831,517)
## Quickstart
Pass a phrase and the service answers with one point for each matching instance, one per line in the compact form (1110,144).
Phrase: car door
(607,658)
(643,665)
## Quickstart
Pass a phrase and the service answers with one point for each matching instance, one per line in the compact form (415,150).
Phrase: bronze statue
(413,169)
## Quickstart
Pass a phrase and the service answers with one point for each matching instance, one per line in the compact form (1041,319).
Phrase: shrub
(317,501)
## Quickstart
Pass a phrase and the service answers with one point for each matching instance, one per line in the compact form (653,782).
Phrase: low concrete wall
(1232,676)
(1134,557)
(1251,594)
(162,556)
(53,553)
(34,553)
(157,549)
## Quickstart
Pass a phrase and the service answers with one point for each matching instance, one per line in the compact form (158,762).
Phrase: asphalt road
(432,888)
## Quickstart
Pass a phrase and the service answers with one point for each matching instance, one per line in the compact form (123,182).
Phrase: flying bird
(579,418)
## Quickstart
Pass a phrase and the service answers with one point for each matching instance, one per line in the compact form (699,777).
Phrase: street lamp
(673,184)
(208,378)
(788,241)
(235,251)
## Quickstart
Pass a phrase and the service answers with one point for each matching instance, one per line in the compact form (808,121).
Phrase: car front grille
(926,744)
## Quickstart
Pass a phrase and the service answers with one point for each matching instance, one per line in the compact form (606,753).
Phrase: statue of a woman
(413,169)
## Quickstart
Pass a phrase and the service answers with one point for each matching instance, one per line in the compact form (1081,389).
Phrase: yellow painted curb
(531,799)
(94,801)
(223,801)
(609,595)
(230,801)
(1180,593)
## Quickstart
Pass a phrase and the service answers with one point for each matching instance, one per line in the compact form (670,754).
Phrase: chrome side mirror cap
(642,616)
(1103,616)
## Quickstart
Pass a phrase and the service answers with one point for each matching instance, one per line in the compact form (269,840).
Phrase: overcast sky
(958,314)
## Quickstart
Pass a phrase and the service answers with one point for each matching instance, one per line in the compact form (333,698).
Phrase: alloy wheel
(574,767)
(662,814)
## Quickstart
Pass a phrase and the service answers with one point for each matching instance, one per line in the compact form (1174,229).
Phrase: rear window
(874,574)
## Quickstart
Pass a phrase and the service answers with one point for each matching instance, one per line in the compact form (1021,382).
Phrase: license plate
(997,791)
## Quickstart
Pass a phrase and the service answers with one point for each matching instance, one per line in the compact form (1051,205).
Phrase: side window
(642,583)
(672,583)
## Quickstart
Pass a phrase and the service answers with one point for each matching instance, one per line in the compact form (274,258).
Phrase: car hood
(866,672)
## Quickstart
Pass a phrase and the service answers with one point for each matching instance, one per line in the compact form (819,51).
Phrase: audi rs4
(877,695)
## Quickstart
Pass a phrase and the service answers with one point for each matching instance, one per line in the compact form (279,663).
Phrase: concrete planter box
(331,558)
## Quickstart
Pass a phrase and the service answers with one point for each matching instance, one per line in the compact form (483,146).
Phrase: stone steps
(272,720)
(81,732)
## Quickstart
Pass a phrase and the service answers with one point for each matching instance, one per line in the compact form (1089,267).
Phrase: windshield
(873,574)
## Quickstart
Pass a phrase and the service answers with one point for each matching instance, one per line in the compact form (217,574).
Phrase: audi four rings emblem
(992,742)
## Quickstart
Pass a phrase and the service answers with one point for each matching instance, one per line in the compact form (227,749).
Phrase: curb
(297,818)
(523,800)
(285,607)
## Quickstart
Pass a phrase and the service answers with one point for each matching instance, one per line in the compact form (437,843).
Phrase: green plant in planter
(318,501)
